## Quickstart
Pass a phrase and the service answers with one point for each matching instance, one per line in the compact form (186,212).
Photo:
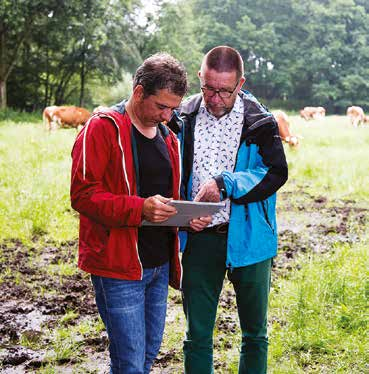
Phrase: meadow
(319,302)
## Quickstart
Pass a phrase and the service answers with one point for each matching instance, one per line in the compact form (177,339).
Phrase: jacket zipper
(266,215)
(228,264)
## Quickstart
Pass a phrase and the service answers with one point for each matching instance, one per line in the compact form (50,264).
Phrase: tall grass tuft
(34,183)
(320,316)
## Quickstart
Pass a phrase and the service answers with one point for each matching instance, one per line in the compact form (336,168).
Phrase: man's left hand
(208,192)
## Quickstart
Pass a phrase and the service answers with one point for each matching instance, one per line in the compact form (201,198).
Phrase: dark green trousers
(203,275)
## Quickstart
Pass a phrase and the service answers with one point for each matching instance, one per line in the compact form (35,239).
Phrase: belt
(222,228)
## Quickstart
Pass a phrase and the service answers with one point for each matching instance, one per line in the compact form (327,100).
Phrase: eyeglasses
(224,94)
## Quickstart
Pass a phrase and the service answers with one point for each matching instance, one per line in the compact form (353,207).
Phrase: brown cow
(366,119)
(284,128)
(355,115)
(68,116)
(312,112)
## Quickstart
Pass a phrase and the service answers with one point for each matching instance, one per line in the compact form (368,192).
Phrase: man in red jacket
(126,167)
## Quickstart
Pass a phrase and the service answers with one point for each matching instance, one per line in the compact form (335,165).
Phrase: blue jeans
(134,316)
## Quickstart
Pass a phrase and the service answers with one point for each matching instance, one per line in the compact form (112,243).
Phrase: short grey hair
(224,59)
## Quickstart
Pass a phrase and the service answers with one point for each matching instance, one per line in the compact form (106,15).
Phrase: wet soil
(34,297)
(315,225)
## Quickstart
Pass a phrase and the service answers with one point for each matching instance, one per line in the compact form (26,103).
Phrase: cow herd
(72,116)
(355,115)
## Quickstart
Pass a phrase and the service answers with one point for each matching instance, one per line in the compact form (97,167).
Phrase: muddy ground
(35,300)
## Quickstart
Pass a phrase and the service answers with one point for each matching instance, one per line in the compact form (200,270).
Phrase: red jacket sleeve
(96,172)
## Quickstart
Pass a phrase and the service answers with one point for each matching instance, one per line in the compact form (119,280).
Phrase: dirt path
(47,311)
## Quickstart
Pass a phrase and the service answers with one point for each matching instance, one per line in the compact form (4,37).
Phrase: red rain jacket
(104,192)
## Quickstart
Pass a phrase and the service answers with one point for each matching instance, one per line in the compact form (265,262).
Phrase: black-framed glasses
(224,94)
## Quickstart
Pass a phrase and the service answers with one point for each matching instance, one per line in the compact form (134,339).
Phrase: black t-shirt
(155,177)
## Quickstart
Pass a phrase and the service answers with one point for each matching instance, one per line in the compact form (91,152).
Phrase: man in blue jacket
(232,152)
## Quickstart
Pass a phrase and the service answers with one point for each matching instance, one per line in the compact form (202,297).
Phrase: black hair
(161,71)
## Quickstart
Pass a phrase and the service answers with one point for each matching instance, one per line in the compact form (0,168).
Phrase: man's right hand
(156,209)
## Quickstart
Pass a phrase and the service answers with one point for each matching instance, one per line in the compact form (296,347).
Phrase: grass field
(319,305)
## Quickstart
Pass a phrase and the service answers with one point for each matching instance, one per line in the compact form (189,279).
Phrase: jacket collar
(121,109)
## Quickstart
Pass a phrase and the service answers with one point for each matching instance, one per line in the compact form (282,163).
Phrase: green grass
(13,116)
(319,315)
(62,269)
(34,183)
(332,159)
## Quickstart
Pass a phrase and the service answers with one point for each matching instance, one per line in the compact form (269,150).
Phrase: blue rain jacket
(260,170)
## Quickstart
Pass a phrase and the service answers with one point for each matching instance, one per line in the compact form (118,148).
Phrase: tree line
(296,53)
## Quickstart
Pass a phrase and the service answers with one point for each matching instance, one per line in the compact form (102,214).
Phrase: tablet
(187,210)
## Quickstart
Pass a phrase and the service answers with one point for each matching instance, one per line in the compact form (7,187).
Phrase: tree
(18,20)
(175,33)
(243,25)
(66,43)
(309,53)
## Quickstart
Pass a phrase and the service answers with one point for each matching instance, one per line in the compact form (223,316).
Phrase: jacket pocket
(264,205)
(96,236)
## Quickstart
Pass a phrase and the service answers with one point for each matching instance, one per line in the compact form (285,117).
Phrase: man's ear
(199,74)
(242,81)
(138,93)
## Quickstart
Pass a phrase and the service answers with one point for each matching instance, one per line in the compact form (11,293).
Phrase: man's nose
(215,98)
(166,114)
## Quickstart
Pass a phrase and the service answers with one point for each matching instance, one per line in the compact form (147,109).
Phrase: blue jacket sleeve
(240,183)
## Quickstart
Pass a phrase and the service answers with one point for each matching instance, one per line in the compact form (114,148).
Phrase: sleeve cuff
(221,186)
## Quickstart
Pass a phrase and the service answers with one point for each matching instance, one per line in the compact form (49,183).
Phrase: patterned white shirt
(216,145)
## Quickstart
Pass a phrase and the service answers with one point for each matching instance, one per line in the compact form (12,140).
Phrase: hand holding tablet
(187,210)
